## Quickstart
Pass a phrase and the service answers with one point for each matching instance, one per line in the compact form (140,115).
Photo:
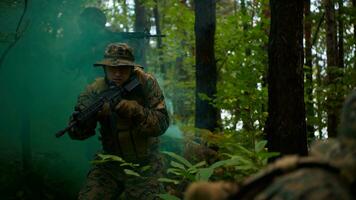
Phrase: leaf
(131,172)
(244,167)
(199,164)
(130,165)
(178,165)
(267,155)
(259,146)
(111,157)
(204,174)
(178,158)
(145,168)
(192,170)
(168,180)
(241,160)
(218,164)
(175,171)
(243,149)
(167,197)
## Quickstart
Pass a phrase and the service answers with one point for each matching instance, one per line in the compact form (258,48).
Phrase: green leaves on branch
(130,169)
(243,160)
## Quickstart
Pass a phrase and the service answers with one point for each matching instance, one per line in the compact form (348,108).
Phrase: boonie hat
(116,55)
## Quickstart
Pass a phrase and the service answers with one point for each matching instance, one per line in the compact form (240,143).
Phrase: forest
(245,82)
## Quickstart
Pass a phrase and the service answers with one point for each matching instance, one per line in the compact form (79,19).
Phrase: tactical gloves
(130,109)
(105,111)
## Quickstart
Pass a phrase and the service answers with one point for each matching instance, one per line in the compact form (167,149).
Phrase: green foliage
(238,163)
(244,158)
(129,168)
(241,44)
(167,197)
(183,170)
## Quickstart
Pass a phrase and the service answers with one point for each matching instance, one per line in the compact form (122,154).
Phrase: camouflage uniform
(329,172)
(133,139)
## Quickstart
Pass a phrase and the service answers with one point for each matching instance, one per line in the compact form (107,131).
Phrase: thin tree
(156,15)
(341,34)
(125,13)
(206,115)
(332,62)
(354,17)
(354,20)
(309,69)
(140,25)
(285,125)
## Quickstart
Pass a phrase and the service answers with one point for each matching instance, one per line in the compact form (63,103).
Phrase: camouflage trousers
(107,181)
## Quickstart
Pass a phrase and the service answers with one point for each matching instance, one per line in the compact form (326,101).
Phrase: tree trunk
(341,35)
(354,20)
(206,115)
(246,117)
(354,17)
(308,70)
(159,39)
(285,125)
(125,12)
(140,25)
(332,62)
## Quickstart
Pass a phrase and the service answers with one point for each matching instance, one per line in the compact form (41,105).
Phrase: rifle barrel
(62,132)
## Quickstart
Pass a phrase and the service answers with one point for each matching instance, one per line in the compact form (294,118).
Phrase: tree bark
(341,35)
(159,39)
(125,12)
(285,125)
(140,25)
(332,62)
(354,8)
(206,115)
(354,20)
(308,70)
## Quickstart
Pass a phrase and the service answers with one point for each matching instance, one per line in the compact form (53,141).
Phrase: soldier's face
(118,75)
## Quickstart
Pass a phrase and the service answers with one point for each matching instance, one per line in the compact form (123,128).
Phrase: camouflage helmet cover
(116,55)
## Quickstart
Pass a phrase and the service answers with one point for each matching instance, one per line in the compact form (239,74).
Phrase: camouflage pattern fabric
(294,177)
(108,181)
(133,139)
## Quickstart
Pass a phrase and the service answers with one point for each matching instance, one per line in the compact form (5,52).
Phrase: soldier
(129,130)
(329,172)
(89,42)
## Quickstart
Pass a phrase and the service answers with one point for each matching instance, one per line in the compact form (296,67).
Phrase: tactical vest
(121,136)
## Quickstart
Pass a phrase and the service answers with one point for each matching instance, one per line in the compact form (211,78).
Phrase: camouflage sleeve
(156,120)
(84,131)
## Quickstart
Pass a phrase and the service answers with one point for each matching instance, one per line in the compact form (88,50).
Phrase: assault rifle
(113,96)
(137,35)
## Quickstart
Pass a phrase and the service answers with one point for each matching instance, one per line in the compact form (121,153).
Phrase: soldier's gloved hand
(130,109)
(105,111)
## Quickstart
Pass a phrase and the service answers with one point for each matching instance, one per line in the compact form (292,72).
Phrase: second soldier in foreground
(128,129)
